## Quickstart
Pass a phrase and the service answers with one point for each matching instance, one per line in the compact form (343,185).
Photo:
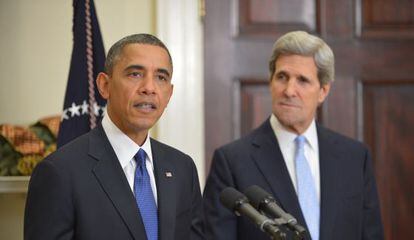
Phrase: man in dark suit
(322,178)
(116,182)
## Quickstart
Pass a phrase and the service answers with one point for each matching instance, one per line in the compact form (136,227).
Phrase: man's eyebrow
(134,67)
(281,72)
(304,78)
(140,67)
(164,71)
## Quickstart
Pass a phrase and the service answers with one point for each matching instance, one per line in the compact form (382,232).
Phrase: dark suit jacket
(81,192)
(349,201)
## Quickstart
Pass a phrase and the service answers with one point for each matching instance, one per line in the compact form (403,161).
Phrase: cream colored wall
(36,45)
(35,51)
(11,216)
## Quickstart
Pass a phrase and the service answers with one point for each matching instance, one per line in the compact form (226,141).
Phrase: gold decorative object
(22,148)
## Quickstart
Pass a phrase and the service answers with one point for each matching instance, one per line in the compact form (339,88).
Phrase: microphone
(264,202)
(239,204)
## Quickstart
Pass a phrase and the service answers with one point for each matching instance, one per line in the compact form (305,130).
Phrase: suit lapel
(269,159)
(110,175)
(166,190)
(329,161)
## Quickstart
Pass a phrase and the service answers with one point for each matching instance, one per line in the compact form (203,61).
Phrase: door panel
(371,99)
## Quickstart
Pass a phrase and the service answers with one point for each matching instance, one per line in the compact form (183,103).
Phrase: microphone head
(232,199)
(257,195)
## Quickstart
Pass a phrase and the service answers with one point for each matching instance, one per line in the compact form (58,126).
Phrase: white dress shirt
(125,149)
(286,140)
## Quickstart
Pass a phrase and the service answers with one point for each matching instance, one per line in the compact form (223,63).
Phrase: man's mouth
(289,104)
(145,106)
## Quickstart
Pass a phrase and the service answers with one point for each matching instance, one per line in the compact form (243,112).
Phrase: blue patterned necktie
(145,197)
(308,198)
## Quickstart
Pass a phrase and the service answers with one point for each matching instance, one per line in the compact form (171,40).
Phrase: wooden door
(372,98)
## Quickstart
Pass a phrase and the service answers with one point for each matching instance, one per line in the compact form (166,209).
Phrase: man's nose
(290,88)
(148,85)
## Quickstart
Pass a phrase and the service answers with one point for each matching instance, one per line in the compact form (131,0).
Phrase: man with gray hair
(116,182)
(325,180)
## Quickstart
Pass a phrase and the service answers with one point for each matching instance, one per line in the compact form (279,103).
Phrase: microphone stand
(297,235)
(275,233)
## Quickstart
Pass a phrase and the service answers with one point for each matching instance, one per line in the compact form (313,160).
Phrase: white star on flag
(85,108)
(74,110)
(96,109)
(65,115)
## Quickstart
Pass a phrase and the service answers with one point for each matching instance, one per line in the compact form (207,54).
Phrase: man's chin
(287,121)
(142,124)
(286,118)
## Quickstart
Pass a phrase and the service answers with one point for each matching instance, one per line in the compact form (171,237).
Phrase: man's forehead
(143,47)
(143,54)
(295,63)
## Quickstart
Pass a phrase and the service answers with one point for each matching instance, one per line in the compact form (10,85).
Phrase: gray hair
(116,49)
(304,44)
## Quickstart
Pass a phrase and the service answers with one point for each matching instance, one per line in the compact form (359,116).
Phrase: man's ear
(171,92)
(102,81)
(323,92)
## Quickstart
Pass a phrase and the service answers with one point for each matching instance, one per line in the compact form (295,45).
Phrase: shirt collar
(285,137)
(125,148)
(311,136)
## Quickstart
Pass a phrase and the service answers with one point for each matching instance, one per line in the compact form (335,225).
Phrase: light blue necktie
(308,198)
(145,197)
